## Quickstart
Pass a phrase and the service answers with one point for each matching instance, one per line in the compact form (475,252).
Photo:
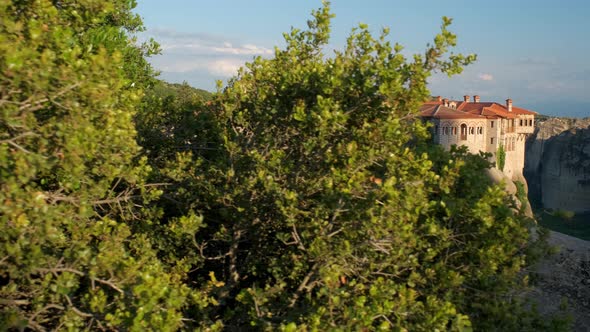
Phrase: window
(492,124)
(471,130)
(492,140)
(463,132)
(521,122)
(454,130)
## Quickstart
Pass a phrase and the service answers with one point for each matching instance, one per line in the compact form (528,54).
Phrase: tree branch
(303,285)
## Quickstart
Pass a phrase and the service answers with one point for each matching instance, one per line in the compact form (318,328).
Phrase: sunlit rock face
(557,164)
(499,177)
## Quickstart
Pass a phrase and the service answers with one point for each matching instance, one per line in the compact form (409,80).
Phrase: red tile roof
(442,112)
(467,110)
(519,110)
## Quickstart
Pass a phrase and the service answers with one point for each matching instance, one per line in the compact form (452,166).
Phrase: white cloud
(247,49)
(485,77)
(223,48)
(179,65)
(217,67)
(217,57)
(225,67)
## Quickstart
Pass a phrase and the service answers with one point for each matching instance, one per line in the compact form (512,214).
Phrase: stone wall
(449,133)
(514,145)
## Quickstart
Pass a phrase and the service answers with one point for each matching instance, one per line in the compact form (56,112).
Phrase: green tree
(327,207)
(172,119)
(501,157)
(74,221)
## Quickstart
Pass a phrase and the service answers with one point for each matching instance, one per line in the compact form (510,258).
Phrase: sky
(534,52)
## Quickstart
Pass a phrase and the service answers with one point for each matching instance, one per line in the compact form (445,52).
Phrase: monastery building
(482,126)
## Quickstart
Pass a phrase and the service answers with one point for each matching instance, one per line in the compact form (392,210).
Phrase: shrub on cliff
(305,196)
(326,207)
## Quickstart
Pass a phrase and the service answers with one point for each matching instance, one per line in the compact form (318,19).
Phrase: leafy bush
(521,194)
(325,206)
(305,195)
(564,214)
(501,157)
(74,203)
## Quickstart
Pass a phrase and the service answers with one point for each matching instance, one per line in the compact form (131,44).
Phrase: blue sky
(535,52)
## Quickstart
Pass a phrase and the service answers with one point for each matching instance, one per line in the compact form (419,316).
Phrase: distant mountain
(562,108)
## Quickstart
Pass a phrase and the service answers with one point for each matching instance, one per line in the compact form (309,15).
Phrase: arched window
(463,132)
(471,131)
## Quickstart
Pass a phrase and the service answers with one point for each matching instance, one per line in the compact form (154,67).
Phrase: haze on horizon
(533,52)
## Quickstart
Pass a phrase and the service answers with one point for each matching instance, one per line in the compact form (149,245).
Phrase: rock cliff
(557,164)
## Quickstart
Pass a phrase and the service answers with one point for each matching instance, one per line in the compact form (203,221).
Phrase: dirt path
(565,276)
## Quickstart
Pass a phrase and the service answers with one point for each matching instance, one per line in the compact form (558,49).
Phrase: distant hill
(164,89)
(543,117)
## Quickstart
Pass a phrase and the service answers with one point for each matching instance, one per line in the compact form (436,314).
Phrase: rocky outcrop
(564,278)
(510,185)
(557,164)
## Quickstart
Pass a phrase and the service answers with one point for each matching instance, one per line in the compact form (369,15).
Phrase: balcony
(525,129)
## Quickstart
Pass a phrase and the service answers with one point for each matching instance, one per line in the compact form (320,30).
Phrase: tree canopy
(73,196)
(304,195)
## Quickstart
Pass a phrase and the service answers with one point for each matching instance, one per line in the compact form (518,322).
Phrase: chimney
(509,104)
(439,99)
(446,102)
(476,99)
(466,98)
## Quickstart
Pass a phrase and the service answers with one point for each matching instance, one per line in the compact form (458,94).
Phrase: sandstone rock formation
(557,164)
(498,177)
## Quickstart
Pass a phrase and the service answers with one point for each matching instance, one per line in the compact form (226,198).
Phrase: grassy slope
(578,226)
